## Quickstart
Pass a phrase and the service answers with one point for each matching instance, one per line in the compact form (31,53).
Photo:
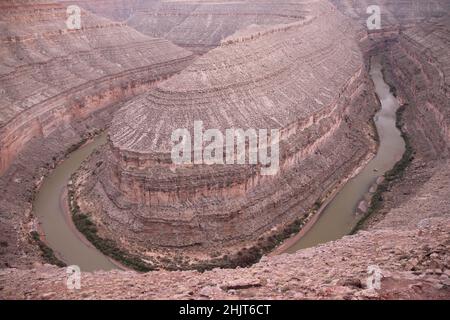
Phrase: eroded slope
(197,25)
(55,85)
(307,79)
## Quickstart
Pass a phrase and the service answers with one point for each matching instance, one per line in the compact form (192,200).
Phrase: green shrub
(106,246)
(47,253)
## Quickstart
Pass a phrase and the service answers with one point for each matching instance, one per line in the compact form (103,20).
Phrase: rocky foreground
(414,265)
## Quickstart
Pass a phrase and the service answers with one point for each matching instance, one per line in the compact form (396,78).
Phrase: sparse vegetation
(76,146)
(392,175)
(47,253)
(106,246)
(243,258)
(249,256)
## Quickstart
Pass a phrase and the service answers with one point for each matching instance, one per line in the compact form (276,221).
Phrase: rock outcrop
(414,264)
(58,86)
(51,76)
(407,239)
(196,25)
(307,79)
(394,12)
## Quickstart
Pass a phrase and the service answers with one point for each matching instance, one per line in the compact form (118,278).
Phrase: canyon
(146,68)
(198,26)
(56,85)
(147,204)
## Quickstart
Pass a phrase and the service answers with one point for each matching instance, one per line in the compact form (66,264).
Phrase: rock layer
(409,242)
(394,12)
(196,25)
(51,76)
(307,79)
(57,87)
(421,69)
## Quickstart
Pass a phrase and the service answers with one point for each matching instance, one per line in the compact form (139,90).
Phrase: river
(337,219)
(60,232)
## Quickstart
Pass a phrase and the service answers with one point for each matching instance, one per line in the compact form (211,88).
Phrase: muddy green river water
(339,218)
(60,233)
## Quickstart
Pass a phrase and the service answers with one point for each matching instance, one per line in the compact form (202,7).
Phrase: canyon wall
(413,40)
(420,66)
(51,76)
(57,88)
(408,240)
(307,79)
(196,25)
(394,12)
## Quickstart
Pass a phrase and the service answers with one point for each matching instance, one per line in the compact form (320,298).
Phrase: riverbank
(412,261)
(341,213)
(392,176)
(20,185)
(58,229)
(316,213)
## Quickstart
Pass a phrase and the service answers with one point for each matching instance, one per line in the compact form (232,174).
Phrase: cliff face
(57,86)
(306,79)
(417,64)
(420,64)
(51,76)
(196,25)
(413,41)
(395,12)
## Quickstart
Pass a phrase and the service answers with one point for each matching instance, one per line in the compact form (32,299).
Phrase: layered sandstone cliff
(58,86)
(420,64)
(417,64)
(394,12)
(408,239)
(307,79)
(51,76)
(196,25)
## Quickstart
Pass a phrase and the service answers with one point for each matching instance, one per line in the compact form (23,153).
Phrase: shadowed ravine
(337,220)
